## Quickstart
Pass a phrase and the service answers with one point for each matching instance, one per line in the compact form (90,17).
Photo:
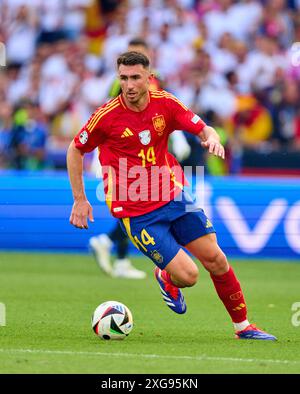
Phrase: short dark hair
(132,58)
(137,41)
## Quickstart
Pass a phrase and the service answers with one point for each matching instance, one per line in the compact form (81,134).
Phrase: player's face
(134,82)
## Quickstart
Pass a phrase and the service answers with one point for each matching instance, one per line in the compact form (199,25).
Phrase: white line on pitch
(198,358)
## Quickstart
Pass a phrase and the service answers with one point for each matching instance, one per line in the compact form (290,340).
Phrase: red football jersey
(139,173)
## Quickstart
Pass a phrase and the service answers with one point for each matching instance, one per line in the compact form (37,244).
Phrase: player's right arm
(82,209)
(89,137)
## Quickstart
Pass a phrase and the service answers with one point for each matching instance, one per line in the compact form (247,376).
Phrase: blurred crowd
(235,63)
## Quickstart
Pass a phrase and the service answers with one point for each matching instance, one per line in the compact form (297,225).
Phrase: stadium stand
(60,60)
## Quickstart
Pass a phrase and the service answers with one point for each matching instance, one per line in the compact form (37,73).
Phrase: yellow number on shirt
(149,156)
(143,157)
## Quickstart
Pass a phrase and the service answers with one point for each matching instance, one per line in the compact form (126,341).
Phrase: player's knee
(216,262)
(190,276)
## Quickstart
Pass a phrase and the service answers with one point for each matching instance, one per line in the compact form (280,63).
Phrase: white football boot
(123,268)
(101,247)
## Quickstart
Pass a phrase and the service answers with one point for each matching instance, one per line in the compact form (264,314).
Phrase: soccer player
(160,219)
(102,244)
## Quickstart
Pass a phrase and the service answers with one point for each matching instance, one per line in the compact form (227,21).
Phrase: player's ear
(150,76)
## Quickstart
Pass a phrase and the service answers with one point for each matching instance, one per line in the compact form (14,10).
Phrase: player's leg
(101,246)
(182,270)
(196,233)
(152,236)
(208,252)
(123,267)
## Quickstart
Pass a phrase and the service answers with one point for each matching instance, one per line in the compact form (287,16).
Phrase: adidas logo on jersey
(208,224)
(127,133)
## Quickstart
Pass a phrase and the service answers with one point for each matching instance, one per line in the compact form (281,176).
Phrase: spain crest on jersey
(157,256)
(145,137)
(159,124)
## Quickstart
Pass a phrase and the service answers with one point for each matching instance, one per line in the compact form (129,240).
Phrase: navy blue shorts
(160,234)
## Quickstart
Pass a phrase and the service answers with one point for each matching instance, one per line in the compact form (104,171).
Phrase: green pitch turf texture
(50,298)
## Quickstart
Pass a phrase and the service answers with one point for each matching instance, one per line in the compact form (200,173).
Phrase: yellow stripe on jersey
(170,96)
(163,93)
(103,108)
(173,178)
(121,101)
(158,94)
(126,222)
(91,127)
(101,112)
(109,194)
(109,104)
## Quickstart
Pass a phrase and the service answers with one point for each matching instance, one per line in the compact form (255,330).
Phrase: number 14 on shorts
(146,239)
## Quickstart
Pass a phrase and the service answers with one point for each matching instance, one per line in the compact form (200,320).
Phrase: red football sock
(230,292)
(166,276)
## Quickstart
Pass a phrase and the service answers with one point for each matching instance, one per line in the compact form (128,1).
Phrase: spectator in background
(238,18)
(276,22)
(36,138)
(251,124)
(21,34)
(263,62)
(5,132)
(214,165)
(286,117)
(60,51)
(27,145)
(244,77)
(222,56)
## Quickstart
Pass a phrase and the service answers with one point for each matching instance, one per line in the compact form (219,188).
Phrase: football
(112,320)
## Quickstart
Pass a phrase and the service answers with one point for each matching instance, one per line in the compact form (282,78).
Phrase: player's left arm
(210,140)
(184,119)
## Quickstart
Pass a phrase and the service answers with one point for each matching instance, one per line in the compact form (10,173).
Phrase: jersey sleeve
(184,118)
(91,135)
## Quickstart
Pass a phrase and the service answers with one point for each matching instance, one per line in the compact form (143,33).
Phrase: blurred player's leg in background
(122,267)
(101,246)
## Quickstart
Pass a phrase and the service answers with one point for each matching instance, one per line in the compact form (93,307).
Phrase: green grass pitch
(49,300)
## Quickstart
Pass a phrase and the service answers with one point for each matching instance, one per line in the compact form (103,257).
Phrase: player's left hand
(214,147)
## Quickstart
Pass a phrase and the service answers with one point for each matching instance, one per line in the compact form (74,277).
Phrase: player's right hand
(81,211)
